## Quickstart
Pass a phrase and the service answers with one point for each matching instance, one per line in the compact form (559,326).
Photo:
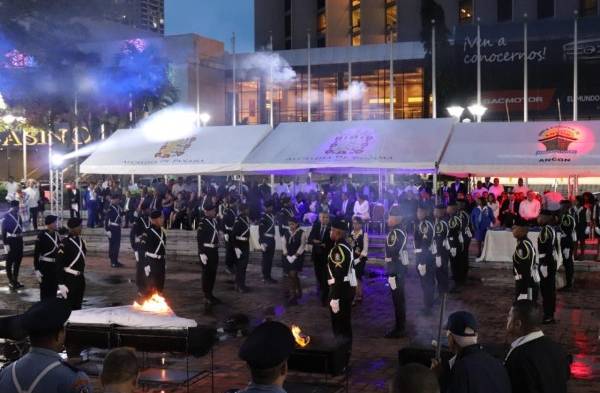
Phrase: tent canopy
(208,150)
(533,149)
(411,146)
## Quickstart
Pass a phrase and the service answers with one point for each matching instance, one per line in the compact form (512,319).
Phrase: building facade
(140,14)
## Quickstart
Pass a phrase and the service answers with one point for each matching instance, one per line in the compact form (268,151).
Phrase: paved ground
(374,358)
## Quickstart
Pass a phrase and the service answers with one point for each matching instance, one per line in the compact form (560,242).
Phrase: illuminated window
(390,21)
(465,11)
(545,9)
(505,10)
(288,24)
(321,23)
(588,7)
(355,22)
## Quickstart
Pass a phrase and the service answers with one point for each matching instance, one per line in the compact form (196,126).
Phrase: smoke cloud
(268,63)
(354,92)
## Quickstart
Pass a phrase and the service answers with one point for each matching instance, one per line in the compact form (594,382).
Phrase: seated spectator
(471,370)
(361,208)
(414,378)
(529,209)
(120,371)
(266,351)
(534,362)
(551,200)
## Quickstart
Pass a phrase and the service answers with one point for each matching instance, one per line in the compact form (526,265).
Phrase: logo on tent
(559,138)
(350,142)
(174,148)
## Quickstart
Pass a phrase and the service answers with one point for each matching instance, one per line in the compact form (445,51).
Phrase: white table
(500,245)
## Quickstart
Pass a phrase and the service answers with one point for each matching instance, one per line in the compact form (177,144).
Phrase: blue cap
(462,323)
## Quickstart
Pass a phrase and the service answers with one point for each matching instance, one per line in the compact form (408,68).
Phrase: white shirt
(11,190)
(177,188)
(345,206)
(529,210)
(478,192)
(32,197)
(524,340)
(282,188)
(496,190)
(362,209)
(521,189)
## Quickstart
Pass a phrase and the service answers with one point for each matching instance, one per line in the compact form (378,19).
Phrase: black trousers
(114,245)
(465,261)
(441,273)
(548,291)
(241,264)
(568,262)
(267,258)
(33,215)
(13,258)
(156,279)
(320,266)
(49,285)
(230,255)
(341,322)
(399,300)
(209,272)
(428,280)
(76,286)
(75,213)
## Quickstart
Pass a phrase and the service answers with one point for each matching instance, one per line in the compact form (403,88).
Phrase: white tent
(208,150)
(533,149)
(413,145)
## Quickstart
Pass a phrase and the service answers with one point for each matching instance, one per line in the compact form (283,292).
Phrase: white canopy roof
(534,149)
(208,150)
(413,145)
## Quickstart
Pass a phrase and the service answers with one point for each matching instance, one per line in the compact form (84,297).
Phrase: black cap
(208,205)
(269,345)
(292,219)
(452,204)
(340,223)
(286,199)
(50,219)
(74,223)
(14,203)
(395,211)
(462,323)
(268,204)
(46,316)
(155,214)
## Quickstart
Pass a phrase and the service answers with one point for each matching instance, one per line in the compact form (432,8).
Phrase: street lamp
(204,118)
(478,111)
(455,111)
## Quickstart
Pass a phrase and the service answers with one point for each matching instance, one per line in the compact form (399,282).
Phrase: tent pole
(435,181)
(272,183)
(199,184)
(132,179)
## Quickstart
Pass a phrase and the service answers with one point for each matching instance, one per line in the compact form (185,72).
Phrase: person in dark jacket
(535,363)
(471,370)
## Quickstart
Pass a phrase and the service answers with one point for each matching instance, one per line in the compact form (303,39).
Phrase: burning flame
(155,304)
(301,339)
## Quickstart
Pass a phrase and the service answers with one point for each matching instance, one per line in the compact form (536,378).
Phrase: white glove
(438,261)
(566,253)
(204,258)
(263,247)
(392,282)
(404,257)
(522,296)
(388,260)
(137,256)
(291,258)
(422,270)
(597,230)
(335,305)
(238,253)
(147,270)
(356,261)
(587,230)
(453,252)
(108,234)
(38,275)
(226,237)
(6,248)
(544,270)
(63,291)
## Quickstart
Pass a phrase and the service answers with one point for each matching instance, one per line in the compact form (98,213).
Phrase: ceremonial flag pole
(433,73)
(575,69)
(478,67)
(525,73)
(234,80)
(309,89)
(391,78)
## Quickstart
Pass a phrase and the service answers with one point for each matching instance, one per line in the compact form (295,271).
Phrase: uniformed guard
(229,217)
(112,226)
(525,266)
(456,240)
(568,242)
(320,241)
(442,248)
(42,369)
(548,246)
(467,234)
(293,260)
(44,258)
(153,247)
(241,246)
(424,242)
(266,234)
(360,248)
(396,263)
(342,281)
(284,215)
(208,250)
(141,224)
(70,262)
(12,238)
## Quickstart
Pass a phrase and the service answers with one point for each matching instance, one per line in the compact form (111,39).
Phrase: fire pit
(321,355)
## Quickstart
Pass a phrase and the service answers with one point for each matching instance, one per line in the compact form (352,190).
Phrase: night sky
(214,19)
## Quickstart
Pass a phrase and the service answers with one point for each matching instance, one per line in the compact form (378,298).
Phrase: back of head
(120,367)
(528,313)
(414,378)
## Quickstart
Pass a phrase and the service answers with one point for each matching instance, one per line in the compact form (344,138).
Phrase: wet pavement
(374,358)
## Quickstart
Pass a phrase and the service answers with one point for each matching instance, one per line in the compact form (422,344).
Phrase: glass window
(390,20)
(505,10)
(355,22)
(588,7)
(465,11)
(545,9)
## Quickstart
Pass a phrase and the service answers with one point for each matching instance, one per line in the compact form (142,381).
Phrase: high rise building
(141,14)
